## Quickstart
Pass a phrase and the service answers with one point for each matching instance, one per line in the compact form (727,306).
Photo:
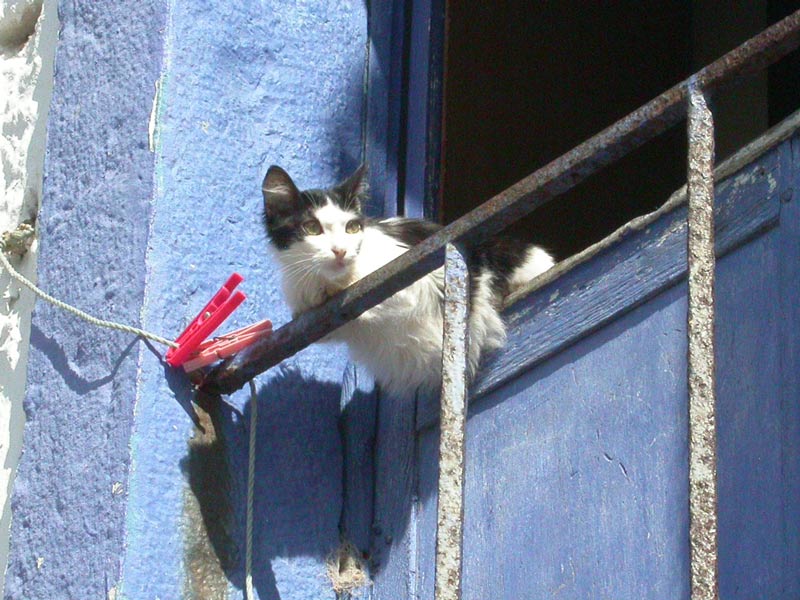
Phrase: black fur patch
(409,232)
(284,218)
(286,208)
(500,255)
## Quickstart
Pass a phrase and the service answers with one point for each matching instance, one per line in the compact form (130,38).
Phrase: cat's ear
(355,189)
(280,192)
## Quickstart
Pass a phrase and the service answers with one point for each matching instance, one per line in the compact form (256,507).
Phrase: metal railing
(564,173)
(701,361)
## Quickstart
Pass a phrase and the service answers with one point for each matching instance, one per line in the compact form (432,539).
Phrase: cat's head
(324,228)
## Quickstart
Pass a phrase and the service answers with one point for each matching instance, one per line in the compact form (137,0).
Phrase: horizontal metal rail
(557,177)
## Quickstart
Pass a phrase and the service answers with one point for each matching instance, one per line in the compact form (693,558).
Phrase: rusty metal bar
(702,399)
(450,508)
(517,201)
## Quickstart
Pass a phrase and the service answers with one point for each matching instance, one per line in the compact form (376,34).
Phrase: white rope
(251,475)
(78,312)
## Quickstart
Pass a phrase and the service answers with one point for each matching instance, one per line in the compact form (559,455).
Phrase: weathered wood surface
(393,553)
(789,281)
(577,465)
(383,83)
(359,406)
(639,266)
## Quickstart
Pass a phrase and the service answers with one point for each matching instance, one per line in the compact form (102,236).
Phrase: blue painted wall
(128,482)
(68,503)
(244,86)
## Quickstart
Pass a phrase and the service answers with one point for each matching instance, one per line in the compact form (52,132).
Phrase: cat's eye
(353,226)
(312,227)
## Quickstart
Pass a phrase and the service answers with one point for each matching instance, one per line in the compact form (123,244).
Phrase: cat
(323,243)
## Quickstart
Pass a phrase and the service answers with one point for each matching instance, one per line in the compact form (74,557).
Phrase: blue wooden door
(577,458)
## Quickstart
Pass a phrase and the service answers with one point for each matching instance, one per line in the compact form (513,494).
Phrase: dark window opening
(527,81)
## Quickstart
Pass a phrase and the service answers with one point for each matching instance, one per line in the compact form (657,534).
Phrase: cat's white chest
(400,339)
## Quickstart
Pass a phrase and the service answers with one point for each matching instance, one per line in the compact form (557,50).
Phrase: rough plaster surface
(28,34)
(244,85)
(164,118)
(68,500)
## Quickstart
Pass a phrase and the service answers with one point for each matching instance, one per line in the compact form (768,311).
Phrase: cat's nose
(339,253)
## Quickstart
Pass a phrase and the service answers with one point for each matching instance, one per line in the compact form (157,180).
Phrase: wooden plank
(417,109)
(384,84)
(626,274)
(424,108)
(789,279)
(357,423)
(751,518)
(394,537)
(425,513)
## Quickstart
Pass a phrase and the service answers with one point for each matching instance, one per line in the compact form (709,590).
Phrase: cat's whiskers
(300,264)
(300,272)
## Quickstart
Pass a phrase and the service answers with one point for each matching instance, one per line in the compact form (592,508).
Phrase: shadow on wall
(298,487)
(314,457)
(73,376)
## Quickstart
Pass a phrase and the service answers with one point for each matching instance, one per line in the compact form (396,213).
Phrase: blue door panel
(577,468)
(789,276)
(749,421)
(576,481)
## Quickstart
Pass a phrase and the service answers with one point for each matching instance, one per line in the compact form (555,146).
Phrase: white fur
(399,340)
(537,262)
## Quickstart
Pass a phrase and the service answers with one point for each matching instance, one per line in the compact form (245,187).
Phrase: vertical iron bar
(702,399)
(450,509)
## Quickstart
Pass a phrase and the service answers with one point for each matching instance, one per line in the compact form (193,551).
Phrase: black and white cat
(324,243)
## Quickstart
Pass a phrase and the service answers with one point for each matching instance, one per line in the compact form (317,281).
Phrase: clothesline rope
(78,312)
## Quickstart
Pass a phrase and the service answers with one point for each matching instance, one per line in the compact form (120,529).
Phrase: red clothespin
(213,314)
(226,345)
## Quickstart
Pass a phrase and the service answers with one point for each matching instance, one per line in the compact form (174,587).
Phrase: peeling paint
(773,183)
